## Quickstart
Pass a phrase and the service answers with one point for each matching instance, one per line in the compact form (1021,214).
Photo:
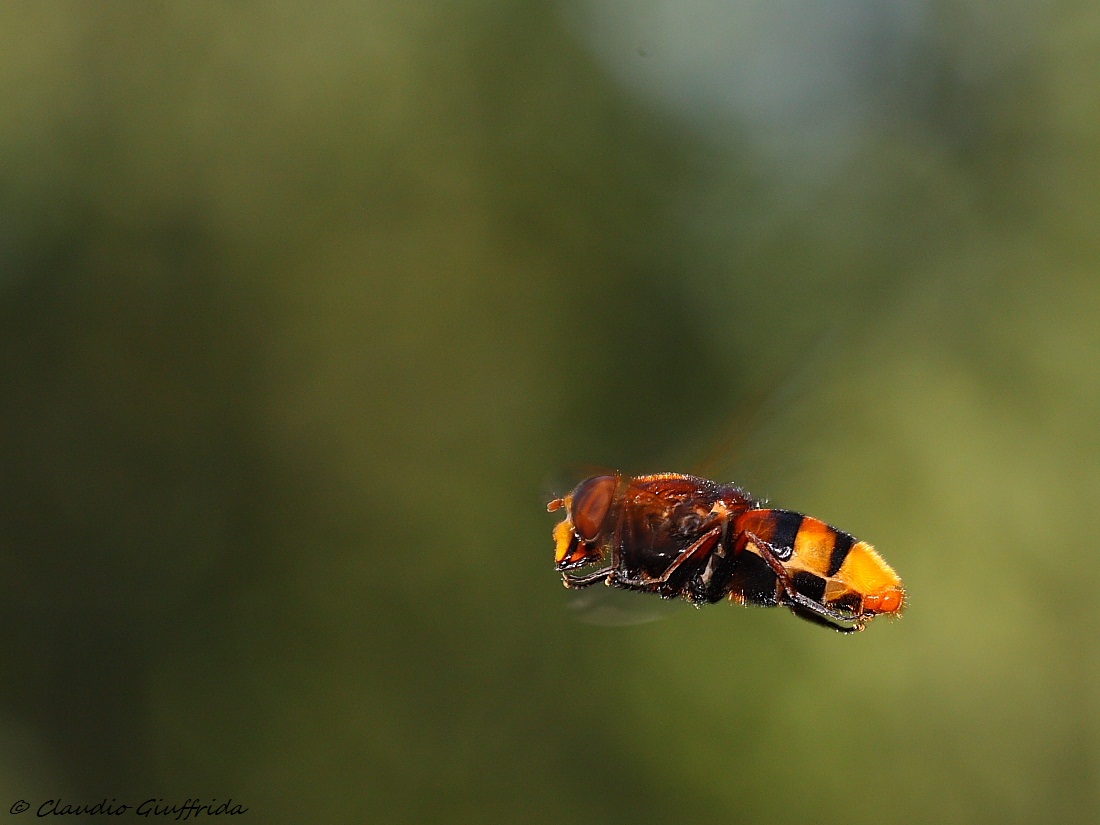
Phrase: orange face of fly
(587,509)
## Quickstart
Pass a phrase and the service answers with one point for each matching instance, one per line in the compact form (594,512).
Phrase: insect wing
(612,607)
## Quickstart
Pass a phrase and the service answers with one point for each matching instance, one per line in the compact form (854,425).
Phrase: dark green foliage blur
(305,313)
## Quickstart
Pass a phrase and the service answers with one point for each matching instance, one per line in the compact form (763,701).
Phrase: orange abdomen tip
(889,601)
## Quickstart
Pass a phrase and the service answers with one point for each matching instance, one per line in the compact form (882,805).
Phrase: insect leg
(578,582)
(810,609)
(696,551)
(608,576)
(815,617)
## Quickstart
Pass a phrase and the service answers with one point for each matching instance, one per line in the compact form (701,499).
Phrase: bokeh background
(307,310)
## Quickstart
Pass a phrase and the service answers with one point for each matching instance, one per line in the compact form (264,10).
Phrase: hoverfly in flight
(679,535)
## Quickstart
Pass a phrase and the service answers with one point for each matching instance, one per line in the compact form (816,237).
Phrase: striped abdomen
(826,564)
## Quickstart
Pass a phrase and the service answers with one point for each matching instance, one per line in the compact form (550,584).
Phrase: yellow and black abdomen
(826,564)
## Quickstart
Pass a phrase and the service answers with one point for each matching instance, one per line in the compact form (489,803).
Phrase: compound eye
(591,503)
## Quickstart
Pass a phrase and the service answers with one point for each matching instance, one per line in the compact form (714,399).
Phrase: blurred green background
(306,311)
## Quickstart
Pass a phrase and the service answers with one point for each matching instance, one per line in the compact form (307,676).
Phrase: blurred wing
(753,442)
(612,607)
